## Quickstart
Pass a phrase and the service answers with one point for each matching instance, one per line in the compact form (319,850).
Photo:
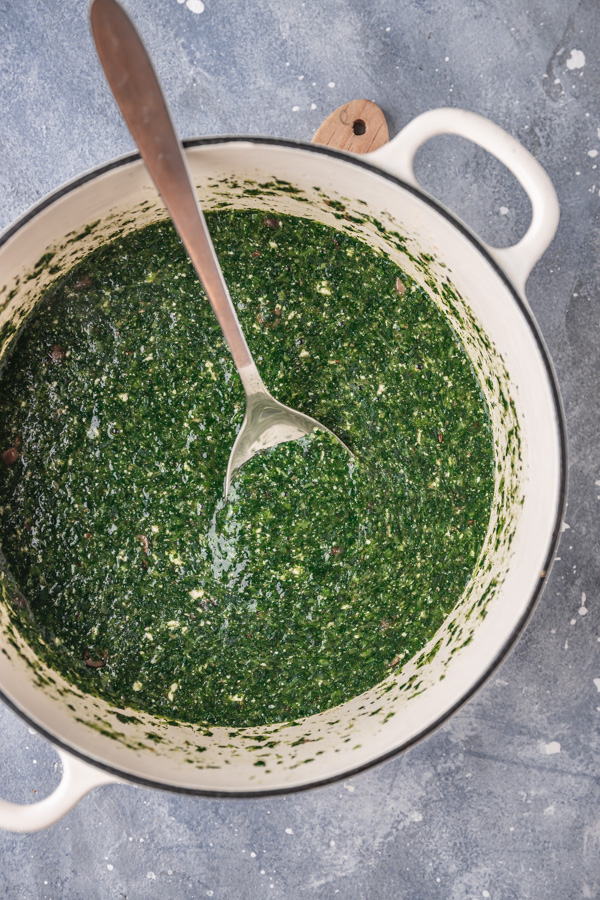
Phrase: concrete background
(503,801)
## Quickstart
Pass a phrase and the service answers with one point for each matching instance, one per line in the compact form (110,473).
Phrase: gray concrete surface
(503,801)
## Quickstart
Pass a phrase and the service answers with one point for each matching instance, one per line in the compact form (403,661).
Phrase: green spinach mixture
(323,571)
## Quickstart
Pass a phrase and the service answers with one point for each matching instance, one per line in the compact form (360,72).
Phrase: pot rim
(522,304)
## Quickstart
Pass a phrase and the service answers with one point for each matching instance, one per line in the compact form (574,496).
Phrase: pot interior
(515,376)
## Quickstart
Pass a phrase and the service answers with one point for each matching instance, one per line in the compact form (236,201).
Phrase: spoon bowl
(267,423)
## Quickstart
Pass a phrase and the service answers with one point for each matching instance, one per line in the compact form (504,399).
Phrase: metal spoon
(136,89)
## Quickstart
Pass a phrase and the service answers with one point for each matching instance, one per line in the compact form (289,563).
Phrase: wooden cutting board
(358,127)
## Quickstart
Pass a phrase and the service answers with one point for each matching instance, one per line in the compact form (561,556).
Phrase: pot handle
(397,157)
(78,779)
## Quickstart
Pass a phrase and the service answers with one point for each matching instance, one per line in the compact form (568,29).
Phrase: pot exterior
(506,350)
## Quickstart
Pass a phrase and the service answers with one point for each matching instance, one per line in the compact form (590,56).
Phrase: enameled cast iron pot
(481,291)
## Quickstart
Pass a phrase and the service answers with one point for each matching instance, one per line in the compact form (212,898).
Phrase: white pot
(492,317)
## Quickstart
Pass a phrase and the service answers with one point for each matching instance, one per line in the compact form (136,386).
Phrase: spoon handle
(136,89)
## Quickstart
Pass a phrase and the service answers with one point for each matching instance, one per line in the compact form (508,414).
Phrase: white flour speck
(331,84)
(504,210)
(576,60)
(564,526)
(549,749)
(313,105)
(151,876)
(583,608)
(549,811)
(288,831)
(597,683)
(593,153)
(295,108)
(195,6)
(349,787)
(109,867)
